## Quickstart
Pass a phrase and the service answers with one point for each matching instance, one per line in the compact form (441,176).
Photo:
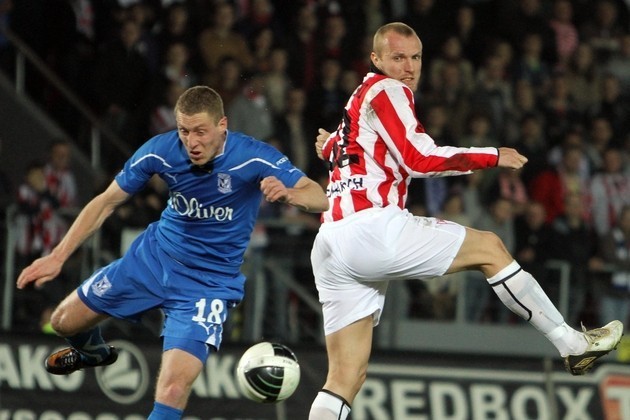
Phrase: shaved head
(397,27)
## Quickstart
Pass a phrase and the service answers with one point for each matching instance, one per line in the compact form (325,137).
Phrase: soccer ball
(268,372)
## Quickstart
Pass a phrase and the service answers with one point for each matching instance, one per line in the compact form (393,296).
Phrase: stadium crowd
(548,77)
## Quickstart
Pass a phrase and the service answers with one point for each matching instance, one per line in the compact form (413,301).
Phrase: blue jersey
(210,214)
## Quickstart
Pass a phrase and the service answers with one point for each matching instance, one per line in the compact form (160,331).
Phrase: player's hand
(274,190)
(42,270)
(510,158)
(319,143)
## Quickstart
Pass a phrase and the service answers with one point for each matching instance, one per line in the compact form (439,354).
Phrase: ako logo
(127,380)
(615,396)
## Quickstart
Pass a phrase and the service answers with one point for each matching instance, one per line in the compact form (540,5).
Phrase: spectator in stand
(262,45)
(249,112)
(498,218)
(615,250)
(450,91)
(619,64)
(60,179)
(428,18)
(145,15)
(293,130)
(121,82)
(444,289)
(613,105)
(525,103)
(573,137)
(326,99)
(361,63)
(175,27)
(573,240)
(559,108)
(302,47)
(376,13)
(492,94)
(220,40)
(610,191)
(478,131)
(603,29)
(532,236)
(277,80)
(510,186)
(566,33)
(471,35)
(260,15)
(177,67)
(37,220)
(506,54)
(451,53)
(584,77)
(38,229)
(228,81)
(71,49)
(527,17)
(551,186)
(532,140)
(600,137)
(335,41)
(348,81)
(530,64)
(162,118)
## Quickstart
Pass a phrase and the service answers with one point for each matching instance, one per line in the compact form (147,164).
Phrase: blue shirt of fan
(210,214)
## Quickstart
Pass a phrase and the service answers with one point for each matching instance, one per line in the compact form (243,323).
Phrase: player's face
(201,136)
(400,57)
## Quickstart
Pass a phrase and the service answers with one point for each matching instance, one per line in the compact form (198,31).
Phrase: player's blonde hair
(198,99)
(398,27)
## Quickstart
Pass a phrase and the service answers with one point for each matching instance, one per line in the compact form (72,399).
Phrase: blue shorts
(195,302)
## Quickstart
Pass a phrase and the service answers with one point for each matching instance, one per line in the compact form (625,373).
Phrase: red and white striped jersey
(380,145)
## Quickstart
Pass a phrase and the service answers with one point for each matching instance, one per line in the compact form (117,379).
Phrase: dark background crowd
(548,77)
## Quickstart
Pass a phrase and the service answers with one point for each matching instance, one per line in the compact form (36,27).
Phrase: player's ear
(223,122)
(374,64)
(374,59)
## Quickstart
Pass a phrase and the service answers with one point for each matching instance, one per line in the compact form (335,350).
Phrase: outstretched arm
(307,195)
(87,222)
(508,157)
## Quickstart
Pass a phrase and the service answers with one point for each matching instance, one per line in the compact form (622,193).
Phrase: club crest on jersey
(224,183)
(101,287)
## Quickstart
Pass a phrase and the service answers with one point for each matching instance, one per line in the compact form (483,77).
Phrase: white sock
(329,406)
(522,294)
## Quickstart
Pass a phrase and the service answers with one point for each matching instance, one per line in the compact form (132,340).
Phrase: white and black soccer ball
(268,372)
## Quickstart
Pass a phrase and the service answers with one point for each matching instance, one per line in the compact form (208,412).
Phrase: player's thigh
(73,316)
(481,250)
(178,371)
(349,350)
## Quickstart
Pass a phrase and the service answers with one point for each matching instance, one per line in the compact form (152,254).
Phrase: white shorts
(354,259)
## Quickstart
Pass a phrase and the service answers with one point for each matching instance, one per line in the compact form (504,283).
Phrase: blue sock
(91,345)
(164,412)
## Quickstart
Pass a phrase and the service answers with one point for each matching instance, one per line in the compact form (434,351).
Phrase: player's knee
(59,324)
(350,379)
(493,243)
(172,393)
